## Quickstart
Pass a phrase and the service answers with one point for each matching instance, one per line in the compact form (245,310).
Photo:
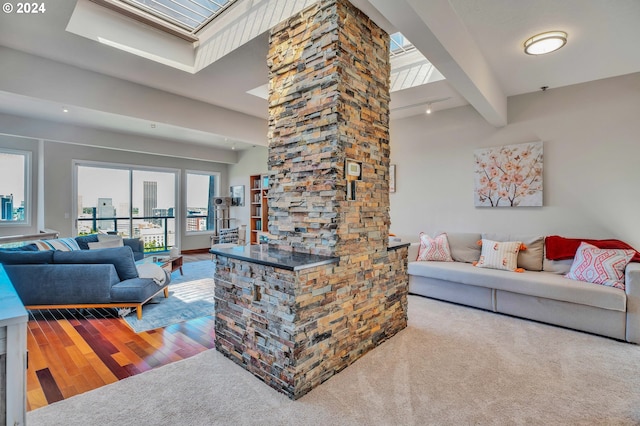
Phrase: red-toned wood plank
(102,348)
(49,386)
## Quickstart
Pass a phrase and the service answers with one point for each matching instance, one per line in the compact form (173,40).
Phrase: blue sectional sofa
(80,279)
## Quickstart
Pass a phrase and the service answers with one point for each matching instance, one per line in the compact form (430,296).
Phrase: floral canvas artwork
(509,176)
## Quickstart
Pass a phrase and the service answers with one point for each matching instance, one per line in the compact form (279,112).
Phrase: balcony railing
(110,225)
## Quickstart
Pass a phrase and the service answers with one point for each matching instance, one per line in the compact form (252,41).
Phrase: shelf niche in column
(259,221)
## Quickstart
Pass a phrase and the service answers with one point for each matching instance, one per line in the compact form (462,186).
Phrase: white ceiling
(475,44)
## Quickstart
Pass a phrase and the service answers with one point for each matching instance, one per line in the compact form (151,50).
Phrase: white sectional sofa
(540,293)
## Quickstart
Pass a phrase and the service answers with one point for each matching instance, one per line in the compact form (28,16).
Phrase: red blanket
(558,248)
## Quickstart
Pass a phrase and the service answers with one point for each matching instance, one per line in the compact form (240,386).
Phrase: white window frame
(130,168)
(27,189)
(186,189)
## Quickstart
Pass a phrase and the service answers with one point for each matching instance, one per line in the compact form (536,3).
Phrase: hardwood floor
(73,351)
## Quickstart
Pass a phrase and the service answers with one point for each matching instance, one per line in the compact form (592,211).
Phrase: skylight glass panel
(190,15)
(399,45)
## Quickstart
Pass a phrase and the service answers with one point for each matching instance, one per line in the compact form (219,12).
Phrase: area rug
(452,365)
(190,297)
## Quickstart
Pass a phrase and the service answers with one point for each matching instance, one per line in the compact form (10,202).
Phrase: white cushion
(499,255)
(107,238)
(530,259)
(105,244)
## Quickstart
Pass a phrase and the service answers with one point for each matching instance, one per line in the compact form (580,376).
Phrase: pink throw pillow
(436,249)
(600,266)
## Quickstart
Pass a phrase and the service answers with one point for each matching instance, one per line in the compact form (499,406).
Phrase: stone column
(329,102)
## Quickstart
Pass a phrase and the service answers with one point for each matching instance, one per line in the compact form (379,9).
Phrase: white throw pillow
(105,244)
(108,238)
(499,255)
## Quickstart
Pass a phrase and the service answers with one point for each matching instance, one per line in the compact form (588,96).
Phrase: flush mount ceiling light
(545,43)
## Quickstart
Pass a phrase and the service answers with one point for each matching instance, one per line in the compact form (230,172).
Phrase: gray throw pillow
(464,246)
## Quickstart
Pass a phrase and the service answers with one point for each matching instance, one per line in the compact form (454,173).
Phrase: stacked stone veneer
(328,102)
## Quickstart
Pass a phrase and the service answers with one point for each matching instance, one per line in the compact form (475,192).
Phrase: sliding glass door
(128,201)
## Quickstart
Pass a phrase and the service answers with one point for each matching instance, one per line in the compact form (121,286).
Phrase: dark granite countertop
(263,255)
(397,245)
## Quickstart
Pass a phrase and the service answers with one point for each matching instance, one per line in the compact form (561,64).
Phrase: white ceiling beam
(437,31)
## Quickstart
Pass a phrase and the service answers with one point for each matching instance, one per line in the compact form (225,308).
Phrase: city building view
(9,210)
(140,204)
(12,189)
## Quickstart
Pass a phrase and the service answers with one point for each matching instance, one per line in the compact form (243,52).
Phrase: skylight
(190,15)
(399,45)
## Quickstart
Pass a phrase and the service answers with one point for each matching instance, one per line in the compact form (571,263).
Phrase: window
(14,187)
(188,14)
(400,45)
(129,201)
(201,188)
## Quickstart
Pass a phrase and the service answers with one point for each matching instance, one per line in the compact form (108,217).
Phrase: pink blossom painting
(509,176)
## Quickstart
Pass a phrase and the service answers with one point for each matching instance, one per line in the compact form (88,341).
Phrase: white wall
(251,161)
(591,135)
(68,133)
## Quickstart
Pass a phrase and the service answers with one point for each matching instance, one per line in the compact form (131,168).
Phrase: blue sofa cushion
(26,247)
(8,257)
(136,245)
(134,290)
(84,240)
(120,257)
(63,284)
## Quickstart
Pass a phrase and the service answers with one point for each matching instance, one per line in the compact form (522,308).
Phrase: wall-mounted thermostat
(353,169)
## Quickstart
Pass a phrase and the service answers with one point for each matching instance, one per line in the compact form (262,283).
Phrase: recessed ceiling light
(153,125)
(65,110)
(545,43)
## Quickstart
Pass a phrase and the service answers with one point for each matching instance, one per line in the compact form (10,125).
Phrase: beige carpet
(453,366)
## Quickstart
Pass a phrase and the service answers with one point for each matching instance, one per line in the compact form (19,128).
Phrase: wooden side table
(175,263)
(169,264)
